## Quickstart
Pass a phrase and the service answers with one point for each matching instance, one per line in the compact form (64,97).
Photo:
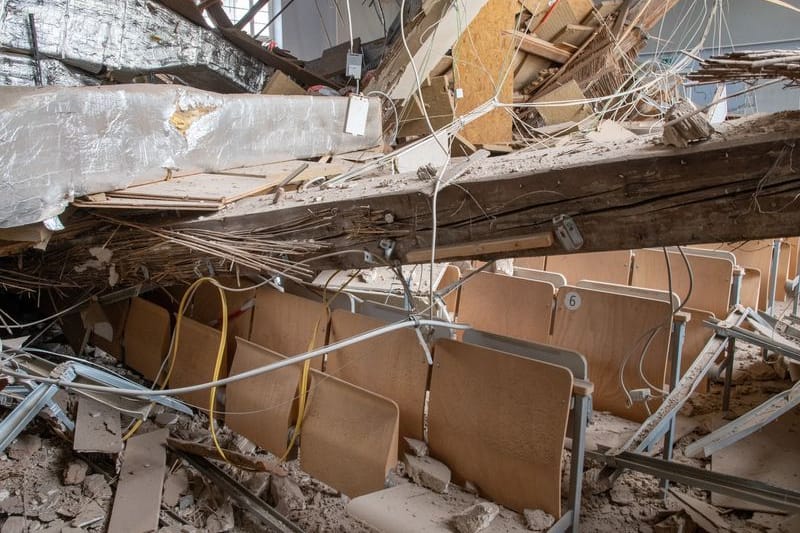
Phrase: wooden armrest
(582,387)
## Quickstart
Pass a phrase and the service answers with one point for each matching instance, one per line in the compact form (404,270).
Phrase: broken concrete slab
(125,134)
(417,447)
(286,495)
(24,447)
(14,524)
(75,472)
(97,428)
(428,472)
(538,520)
(475,518)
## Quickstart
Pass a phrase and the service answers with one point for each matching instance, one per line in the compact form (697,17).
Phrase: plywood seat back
(146,337)
(641,292)
(195,357)
(261,408)
(533,263)
(696,337)
(507,305)
(499,421)
(349,436)
(392,365)
(612,331)
(555,278)
(611,267)
(712,278)
(288,324)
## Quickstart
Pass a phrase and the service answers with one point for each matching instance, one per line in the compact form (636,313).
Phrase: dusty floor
(44,486)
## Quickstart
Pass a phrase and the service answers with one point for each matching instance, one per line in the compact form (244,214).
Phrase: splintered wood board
(607,328)
(609,267)
(712,278)
(769,455)
(506,305)
(349,436)
(499,421)
(147,337)
(451,275)
(269,398)
(286,323)
(758,254)
(697,335)
(438,103)
(97,428)
(409,507)
(274,173)
(482,57)
(750,293)
(137,501)
(535,263)
(392,365)
(195,357)
(223,188)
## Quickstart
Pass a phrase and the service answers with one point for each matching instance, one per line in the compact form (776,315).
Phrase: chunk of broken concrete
(175,486)
(417,447)
(75,472)
(167,418)
(24,447)
(475,518)
(428,472)
(95,486)
(14,524)
(286,495)
(621,495)
(538,520)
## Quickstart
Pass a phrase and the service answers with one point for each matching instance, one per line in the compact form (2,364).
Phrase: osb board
(223,188)
(137,501)
(712,276)
(392,365)
(611,330)
(697,335)
(758,254)
(349,436)
(147,337)
(286,323)
(769,455)
(97,428)
(609,267)
(506,305)
(482,57)
(411,508)
(260,408)
(451,275)
(750,292)
(438,104)
(535,263)
(117,314)
(195,357)
(499,421)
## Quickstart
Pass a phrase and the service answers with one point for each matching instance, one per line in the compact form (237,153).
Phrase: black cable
(278,14)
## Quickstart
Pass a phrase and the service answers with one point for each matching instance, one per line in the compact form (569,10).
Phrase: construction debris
(475,518)
(748,66)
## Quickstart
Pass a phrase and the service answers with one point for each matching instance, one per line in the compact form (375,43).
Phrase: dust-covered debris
(475,518)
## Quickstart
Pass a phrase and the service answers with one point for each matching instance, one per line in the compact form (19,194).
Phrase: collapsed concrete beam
(739,185)
(60,143)
(126,38)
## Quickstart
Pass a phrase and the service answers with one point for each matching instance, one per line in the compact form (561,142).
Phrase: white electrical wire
(349,24)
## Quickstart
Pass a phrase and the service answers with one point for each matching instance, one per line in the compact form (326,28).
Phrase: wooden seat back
(610,267)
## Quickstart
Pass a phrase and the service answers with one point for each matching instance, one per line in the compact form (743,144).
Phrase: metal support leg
(678,336)
(796,296)
(773,276)
(580,415)
(736,287)
(726,393)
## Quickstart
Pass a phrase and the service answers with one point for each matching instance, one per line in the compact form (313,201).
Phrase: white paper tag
(357,110)
(572,301)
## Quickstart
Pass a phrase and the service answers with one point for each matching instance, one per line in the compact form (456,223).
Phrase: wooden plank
(561,110)
(280,83)
(349,436)
(137,502)
(276,172)
(261,408)
(506,305)
(288,324)
(195,357)
(149,204)
(712,278)
(449,253)
(574,34)
(482,57)
(97,428)
(499,421)
(392,365)
(438,104)
(247,462)
(653,294)
(554,278)
(611,331)
(222,188)
(768,455)
(538,47)
(750,293)
(608,267)
(147,337)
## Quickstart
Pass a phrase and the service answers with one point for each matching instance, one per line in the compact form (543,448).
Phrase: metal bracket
(567,233)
